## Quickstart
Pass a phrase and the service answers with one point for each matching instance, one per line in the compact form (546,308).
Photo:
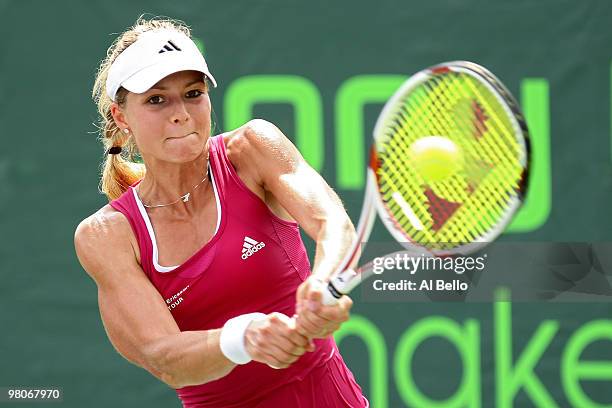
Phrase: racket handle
(329,295)
(340,284)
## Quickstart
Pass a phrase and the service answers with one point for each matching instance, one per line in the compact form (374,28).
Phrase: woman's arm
(142,329)
(261,152)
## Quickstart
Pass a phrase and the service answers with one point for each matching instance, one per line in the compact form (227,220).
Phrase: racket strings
(400,164)
(432,124)
(501,146)
(489,150)
(446,125)
(392,182)
(394,177)
(468,126)
(491,200)
(401,167)
(500,125)
(446,105)
(492,154)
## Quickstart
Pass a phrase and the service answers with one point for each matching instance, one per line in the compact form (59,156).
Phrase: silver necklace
(184,197)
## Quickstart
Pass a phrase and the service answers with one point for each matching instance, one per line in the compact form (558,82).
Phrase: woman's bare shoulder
(248,144)
(105,231)
(254,133)
(107,222)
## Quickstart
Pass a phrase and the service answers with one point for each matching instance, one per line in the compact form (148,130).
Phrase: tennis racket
(457,110)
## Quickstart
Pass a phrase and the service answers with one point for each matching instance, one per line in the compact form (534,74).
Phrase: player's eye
(194,93)
(155,100)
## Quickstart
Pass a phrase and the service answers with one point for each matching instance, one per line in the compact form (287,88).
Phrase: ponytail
(119,171)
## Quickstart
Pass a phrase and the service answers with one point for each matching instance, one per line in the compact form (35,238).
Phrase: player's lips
(181,137)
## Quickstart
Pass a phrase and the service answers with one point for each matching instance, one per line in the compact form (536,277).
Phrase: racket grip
(340,284)
(329,295)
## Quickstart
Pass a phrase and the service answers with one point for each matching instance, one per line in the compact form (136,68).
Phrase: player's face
(171,121)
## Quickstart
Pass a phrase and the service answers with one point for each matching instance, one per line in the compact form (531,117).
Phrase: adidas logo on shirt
(250,246)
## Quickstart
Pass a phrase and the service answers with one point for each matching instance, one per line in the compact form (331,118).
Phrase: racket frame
(348,278)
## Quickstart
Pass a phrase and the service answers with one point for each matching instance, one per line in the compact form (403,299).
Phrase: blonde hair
(119,171)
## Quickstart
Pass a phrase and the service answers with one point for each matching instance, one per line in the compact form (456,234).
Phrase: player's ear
(118,116)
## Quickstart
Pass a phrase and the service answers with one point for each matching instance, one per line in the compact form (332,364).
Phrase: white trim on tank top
(147,221)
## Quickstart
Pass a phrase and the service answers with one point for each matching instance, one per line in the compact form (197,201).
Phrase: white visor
(155,55)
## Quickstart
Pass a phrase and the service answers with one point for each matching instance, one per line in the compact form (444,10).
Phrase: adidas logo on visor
(250,246)
(170,46)
(153,56)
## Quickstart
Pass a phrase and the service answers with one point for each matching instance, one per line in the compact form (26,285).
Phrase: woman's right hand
(275,341)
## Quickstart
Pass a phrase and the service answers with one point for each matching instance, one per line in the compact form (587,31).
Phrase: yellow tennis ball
(436,157)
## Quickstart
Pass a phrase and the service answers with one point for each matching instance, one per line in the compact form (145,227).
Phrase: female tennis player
(202,277)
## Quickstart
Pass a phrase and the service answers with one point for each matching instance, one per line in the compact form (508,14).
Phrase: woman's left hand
(313,318)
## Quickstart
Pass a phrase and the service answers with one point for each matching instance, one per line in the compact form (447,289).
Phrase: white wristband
(232,337)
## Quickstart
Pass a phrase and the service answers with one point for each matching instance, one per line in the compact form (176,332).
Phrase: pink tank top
(253,263)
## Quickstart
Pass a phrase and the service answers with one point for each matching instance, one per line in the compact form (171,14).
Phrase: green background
(51,333)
